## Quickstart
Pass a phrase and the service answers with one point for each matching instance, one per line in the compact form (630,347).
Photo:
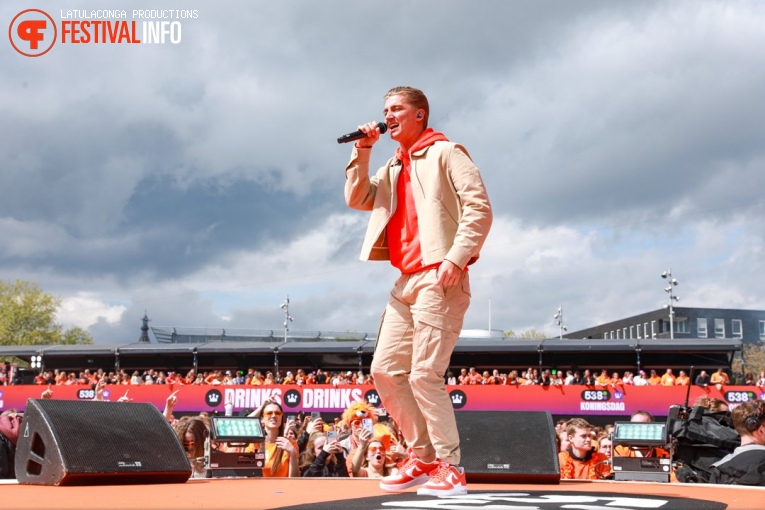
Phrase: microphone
(358,135)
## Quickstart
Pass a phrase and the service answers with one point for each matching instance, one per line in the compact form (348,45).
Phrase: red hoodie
(403,230)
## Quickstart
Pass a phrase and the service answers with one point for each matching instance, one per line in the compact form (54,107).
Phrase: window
(624,331)
(653,329)
(680,325)
(618,333)
(632,331)
(736,328)
(701,327)
(640,331)
(762,330)
(719,328)
(645,329)
(605,335)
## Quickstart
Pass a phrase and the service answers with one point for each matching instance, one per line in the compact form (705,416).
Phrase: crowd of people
(467,377)
(365,442)
(356,444)
(548,377)
(215,377)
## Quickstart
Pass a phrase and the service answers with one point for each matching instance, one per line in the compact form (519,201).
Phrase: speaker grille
(109,436)
(69,442)
(514,446)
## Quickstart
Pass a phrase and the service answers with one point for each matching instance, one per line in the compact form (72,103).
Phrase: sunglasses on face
(376,449)
(188,445)
(269,414)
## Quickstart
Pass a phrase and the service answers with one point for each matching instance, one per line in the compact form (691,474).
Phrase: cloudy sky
(201,182)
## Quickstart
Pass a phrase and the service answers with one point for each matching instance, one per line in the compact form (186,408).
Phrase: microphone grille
(383,127)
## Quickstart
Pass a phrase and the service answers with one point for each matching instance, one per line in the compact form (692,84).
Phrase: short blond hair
(414,97)
(575,424)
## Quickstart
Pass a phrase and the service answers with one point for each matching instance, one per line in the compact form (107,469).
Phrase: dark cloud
(202,182)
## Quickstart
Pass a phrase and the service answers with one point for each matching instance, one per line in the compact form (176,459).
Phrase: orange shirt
(284,467)
(594,468)
(475,378)
(626,451)
(682,380)
(654,380)
(603,380)
(719,378)
(668,380)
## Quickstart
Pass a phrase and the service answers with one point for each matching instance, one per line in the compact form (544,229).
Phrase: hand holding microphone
(369,132)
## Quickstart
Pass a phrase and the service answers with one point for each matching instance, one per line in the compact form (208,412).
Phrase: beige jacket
(453,209)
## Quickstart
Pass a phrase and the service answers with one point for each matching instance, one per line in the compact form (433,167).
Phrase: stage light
(238,432)
(645,437)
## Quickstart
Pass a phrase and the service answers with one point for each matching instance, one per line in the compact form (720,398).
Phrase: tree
(76,335)
(27,317)
(752,360)
(532,334)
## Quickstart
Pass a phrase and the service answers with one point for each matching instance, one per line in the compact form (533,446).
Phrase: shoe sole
(403,486)
(457,491)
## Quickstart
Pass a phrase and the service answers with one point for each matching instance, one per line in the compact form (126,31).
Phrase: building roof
(343,354)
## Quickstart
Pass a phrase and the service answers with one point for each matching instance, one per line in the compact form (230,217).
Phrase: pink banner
(559,400)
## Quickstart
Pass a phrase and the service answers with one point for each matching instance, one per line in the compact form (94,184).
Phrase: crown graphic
(214,397)
(374,398)
(457,398)
(292,398)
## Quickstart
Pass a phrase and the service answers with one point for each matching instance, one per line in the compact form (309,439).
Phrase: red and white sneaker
(412,472)
(447,480)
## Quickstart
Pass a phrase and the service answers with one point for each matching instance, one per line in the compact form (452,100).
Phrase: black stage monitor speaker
(70,442)
(508,446)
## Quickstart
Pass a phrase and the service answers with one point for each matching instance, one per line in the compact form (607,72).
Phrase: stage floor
(358,494)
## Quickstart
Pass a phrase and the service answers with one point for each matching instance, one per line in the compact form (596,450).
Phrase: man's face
(401,117)
(581,439)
